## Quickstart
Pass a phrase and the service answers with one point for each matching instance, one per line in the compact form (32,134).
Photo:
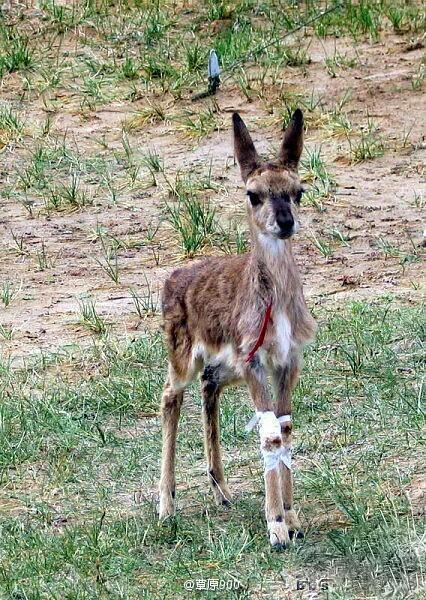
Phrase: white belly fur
(224,356)
(277,350)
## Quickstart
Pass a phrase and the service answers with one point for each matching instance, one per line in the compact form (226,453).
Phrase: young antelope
(241,319)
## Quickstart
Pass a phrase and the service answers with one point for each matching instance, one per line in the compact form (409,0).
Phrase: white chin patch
(271,243)
(296,227)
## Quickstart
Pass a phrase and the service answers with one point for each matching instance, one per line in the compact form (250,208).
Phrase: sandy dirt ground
(378,205)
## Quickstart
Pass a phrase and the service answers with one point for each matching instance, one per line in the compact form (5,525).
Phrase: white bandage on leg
(256,417)
(253,422)
(285,419)
(269,427)
(271,458)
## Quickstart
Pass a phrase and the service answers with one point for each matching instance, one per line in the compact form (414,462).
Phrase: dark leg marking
(299,534)
(279,547)
(212,379)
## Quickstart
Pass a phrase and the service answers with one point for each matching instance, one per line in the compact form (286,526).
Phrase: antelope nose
(286,223)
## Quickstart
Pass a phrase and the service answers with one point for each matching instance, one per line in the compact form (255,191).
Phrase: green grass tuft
(79,462)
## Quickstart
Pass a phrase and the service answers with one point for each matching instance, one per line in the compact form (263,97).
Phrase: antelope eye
(254,198)
(299,196)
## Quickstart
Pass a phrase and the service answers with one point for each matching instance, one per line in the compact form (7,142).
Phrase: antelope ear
(244,149)
(292,144)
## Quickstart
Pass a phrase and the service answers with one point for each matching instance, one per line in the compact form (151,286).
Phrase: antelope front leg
(285,379)
(271,448)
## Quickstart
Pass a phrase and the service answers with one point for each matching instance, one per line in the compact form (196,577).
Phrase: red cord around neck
(262,333)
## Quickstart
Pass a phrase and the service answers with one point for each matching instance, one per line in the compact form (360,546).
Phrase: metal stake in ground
(213,75)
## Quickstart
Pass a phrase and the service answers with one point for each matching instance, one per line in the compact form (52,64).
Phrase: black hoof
(279,547)
(226,503)
(299,534)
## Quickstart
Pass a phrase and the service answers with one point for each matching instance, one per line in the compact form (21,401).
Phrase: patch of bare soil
(416,494)
(377,205)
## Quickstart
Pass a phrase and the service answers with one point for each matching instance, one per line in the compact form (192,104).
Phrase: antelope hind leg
(171,403)
(211,380)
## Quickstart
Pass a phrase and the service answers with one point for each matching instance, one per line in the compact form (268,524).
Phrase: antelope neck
(272,260)
(272,266)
